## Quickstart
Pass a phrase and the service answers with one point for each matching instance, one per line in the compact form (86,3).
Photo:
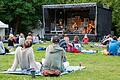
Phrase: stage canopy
(2,25)
(77,19)
(2,29)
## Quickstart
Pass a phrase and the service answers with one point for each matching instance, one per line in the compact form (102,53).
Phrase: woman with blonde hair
(11,42)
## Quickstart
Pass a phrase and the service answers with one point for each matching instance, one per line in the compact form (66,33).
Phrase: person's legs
(39,65)
(57,72)
(66,64)
(6,50)
(2,54)
(51,72)
(45,72)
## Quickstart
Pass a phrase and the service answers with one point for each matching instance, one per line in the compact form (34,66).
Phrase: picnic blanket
(41,48)
(88,51)
(69,69)
(11,52)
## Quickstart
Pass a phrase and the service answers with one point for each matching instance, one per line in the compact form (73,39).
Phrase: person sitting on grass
(76,44)
(24,57)
(30,36)
(66,38)
(11,42)
(113,46)
(2,49)
(107,39)
(21,39)
(85,40)
(62,42)
(54,58)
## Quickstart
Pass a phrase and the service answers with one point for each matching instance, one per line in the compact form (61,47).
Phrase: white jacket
(25,59)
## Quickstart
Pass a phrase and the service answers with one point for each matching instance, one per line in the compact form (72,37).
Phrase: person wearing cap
(53,64)
(85,40)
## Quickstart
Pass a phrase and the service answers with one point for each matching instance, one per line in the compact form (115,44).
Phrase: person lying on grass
(24,57)
(54,58)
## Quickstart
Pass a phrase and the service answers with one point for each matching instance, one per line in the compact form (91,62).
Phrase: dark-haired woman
(24,57)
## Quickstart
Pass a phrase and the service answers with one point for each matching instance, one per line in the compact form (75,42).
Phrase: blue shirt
(113,47)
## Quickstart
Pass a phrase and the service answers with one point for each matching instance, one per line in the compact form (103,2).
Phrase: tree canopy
(22,15)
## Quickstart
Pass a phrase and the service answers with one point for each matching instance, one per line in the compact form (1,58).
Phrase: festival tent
(2,29)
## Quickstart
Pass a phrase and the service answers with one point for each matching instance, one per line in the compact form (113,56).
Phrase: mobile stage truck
(77,19)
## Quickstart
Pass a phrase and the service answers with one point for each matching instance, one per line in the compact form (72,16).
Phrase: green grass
(98,66)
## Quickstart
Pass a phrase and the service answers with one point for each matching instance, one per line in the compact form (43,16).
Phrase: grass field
(98,66)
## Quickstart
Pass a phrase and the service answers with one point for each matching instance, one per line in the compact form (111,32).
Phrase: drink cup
(33,73)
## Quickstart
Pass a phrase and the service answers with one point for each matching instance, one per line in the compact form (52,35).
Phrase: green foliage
(21,14)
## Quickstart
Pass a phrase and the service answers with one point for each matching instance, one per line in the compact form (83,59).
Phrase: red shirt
(85,40)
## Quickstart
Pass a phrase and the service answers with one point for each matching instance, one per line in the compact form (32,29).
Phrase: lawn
(98,66)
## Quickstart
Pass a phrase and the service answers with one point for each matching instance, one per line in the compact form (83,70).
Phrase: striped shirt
(63,44)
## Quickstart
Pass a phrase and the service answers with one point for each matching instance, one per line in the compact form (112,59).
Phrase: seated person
(11,42)
(66,38)
(2,49)
(63,43)
(35,39)
(107,39)
(118,51)
(76,43)
(53,64)
(76,39)
(30,36)
(24,57)
(85,40)
(21,39)
(113,46)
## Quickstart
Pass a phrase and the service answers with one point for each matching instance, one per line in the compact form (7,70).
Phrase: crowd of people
(18,40)
(55,57)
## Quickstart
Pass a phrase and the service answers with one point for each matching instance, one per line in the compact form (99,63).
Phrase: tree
(22,15)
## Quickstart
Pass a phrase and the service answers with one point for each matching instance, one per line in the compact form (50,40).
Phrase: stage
(77,19)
